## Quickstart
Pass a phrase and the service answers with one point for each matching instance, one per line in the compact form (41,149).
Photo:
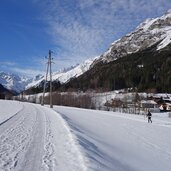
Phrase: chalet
(148,104)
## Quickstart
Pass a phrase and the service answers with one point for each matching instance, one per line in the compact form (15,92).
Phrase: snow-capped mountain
(13,82)
(66,74)
(141,59)
(150,32)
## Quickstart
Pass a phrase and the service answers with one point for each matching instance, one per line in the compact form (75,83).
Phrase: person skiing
(149,115)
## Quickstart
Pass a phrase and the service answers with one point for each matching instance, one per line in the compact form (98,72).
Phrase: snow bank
(8,109)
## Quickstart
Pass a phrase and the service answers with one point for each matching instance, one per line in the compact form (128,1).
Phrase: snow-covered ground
(33,137)
(121,142)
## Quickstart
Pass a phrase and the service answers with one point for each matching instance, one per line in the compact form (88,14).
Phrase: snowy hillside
(66,75)
(35,138)
(148,33)
(13,82)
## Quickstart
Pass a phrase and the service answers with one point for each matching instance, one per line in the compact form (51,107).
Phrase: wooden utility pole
(49,69)
(50,65)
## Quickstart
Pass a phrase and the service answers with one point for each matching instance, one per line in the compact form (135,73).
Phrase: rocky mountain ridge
(150,32)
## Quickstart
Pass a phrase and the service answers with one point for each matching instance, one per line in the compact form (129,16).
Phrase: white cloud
(7,64)
(27,72)
(31,71)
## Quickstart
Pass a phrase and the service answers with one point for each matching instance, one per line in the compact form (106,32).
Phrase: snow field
(121,142)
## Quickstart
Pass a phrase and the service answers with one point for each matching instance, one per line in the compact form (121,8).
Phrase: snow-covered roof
(148,102)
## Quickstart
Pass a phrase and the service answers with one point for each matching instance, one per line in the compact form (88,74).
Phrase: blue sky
(74,29)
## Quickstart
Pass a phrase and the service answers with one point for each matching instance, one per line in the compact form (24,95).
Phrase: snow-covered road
(35,138)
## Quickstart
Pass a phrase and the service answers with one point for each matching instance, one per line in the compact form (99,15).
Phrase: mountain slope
(147,34)
(146,70)
(2,89)
(4,93)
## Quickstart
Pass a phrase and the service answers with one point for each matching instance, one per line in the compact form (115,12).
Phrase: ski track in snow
(36,138)
(48,159)
(14,139)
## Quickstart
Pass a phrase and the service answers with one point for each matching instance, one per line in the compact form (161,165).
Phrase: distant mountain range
(18,83)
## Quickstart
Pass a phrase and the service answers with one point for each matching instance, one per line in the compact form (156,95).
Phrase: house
(148,104)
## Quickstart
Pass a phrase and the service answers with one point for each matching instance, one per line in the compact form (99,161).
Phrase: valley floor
(35,138)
